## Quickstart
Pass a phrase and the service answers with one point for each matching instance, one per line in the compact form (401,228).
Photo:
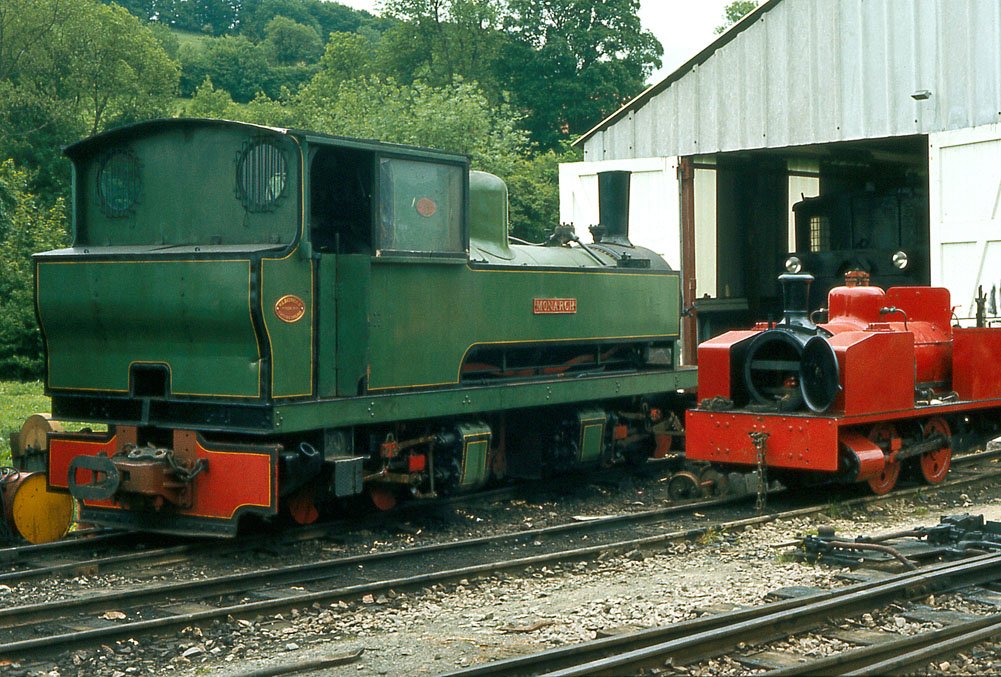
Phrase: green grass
(190,38)
(18,401)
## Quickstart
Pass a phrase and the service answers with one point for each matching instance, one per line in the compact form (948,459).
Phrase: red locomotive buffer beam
(193,487)
(883,383)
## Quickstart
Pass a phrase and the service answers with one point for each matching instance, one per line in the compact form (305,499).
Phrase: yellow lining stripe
(498,343)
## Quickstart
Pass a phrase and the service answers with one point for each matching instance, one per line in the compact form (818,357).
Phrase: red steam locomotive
(885,382)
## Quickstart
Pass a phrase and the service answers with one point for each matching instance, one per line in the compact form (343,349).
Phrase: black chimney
(796,299)
(613,207)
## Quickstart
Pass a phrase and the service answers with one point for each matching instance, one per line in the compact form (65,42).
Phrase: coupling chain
(758,438)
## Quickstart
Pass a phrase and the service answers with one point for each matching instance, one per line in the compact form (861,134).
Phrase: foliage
(233,63)
(347,56)
(20,400)
(26,227)
(734,12)
(209,102)
(291,42)
(247,17)
(120,72)
(72,67)
(535,194)
(438,41)
(573,62)
(566,64)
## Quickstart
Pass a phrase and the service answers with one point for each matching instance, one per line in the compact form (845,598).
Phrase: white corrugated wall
(819,71)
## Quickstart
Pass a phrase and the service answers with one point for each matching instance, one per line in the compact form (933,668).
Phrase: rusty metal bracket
(97,489)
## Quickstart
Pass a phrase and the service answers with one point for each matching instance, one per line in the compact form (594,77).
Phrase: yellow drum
(38,515)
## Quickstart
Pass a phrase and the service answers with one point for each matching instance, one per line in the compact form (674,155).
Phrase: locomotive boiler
(883,382)
(271,321)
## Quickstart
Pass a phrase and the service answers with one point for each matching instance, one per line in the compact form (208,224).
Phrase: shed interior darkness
(874,202)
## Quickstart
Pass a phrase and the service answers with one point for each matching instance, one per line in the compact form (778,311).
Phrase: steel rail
(183,552)
(932,649)
(319,570)
(74,541)
(704,637)
(899,654)
(777,624)
(178,553)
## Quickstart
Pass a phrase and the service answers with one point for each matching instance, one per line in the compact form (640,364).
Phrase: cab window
(420,207)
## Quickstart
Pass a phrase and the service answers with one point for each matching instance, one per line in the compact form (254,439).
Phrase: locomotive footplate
(194,486)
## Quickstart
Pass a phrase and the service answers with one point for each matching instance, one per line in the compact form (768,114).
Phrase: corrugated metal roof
(798,72)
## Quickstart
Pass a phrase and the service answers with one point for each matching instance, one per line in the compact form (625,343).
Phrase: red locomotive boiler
(886,382)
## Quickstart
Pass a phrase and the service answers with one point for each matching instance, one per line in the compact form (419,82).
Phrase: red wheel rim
(935,464)
(383,499)
(886,480)
(301,507)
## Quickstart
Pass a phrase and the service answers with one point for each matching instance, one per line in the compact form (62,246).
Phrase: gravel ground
(446,627)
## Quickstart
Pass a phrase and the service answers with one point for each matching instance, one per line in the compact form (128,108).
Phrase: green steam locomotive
(270,321)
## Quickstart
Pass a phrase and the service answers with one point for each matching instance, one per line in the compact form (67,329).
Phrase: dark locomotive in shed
(271,320)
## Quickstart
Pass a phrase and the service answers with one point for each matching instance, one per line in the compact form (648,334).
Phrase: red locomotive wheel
(885,481)
(382,498)
(301,506)
(935,464)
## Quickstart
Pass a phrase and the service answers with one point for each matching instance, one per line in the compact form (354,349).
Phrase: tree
(533,185)
(734,12)
(573,62)
(119,72)
(291,42)
(209,102)
(26,227)
(437,41)
(233,63)
(70,67)
(347,56)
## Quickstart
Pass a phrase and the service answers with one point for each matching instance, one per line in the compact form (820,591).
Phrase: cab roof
(89,145)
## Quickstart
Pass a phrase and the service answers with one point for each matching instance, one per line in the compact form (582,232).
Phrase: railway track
(908,653)
(51,627)
(76,556)
(277,588)
(80,554)
(721,633)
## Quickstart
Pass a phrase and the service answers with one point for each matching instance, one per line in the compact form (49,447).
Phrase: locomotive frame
(271,320)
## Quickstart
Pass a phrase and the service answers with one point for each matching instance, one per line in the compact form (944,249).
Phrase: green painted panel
(475,454)
(474,463)
(326,326)
(424,318)
(591,437)
(287,307)
(100,317)
(182,186)
(353,279)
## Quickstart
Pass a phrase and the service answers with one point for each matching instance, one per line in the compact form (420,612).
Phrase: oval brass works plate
(290,308)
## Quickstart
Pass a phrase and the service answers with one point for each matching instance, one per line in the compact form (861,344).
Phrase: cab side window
(420,207)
